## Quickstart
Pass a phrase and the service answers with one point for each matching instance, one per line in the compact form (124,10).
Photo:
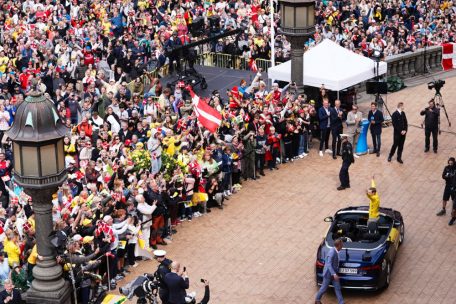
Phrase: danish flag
(448,56)
(207,116)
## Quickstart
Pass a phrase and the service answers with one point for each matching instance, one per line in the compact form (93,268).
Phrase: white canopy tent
(332,65)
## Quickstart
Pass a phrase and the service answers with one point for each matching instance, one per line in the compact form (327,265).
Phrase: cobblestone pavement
(262,247)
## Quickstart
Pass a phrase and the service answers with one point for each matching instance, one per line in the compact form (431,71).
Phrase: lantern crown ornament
(37,135)
(297,17)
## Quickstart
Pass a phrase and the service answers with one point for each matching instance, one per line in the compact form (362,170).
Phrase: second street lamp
(297,22)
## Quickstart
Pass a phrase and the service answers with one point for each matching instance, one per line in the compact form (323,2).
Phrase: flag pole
(271,13)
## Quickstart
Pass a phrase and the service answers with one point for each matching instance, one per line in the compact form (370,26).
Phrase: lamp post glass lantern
(297,17)
(39,167)
(297,22)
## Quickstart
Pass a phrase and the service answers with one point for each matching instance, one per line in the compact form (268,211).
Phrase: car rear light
(370,268)
(320,264)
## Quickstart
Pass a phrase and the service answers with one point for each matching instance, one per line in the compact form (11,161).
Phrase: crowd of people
(139,162)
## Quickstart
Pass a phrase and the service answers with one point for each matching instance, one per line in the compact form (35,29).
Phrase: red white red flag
(207,116)
(252,65)
(448,56)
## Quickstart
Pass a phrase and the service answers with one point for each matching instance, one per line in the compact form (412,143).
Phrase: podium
(361,146)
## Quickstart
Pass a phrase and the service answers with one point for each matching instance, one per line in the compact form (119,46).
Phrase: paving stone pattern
(262,247)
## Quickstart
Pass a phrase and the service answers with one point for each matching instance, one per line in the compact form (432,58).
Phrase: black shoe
(441,212)
(451,222)
(426,150)
(378,154)
(334,157)
(277,168)
(389,158)
(262,173)
(254,178)
(154,247)
(340,188)
(400,161)
(435,150)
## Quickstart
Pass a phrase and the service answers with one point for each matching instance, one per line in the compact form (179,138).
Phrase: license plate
(348,270)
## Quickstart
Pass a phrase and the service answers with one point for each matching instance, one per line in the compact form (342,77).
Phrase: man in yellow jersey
(374,204)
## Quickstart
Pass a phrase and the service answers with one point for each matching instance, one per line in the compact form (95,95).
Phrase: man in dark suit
(400,126)
(337,117)
(431,125)
(177,283)
(324,117)
(330,273)
(376,119)
(10,295)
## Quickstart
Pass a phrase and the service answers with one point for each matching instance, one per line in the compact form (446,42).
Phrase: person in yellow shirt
(374,204)
(3,62)
(11,247)
(32,262)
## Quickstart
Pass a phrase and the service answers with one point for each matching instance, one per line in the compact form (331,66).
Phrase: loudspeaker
(376,87)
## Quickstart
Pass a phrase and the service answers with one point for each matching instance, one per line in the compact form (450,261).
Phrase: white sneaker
(321,153)
(356,155)
(304,154)
(301,156)
(328,151)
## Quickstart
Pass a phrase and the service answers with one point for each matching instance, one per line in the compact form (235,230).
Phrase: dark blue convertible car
(370,247)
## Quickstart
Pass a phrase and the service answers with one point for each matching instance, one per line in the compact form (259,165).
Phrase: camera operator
(177,282)
(431,125)
(163,269)
(449,175)
(83,264)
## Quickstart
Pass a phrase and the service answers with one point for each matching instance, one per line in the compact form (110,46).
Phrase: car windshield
(358,232)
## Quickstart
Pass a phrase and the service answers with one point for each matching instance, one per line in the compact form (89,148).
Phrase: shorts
(448,193)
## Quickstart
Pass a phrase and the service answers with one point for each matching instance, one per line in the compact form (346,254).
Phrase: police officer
(163,269)
(448,175)
(347,160)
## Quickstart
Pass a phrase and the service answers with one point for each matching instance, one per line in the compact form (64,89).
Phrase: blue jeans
(324,286)
(302,144)
(377,141)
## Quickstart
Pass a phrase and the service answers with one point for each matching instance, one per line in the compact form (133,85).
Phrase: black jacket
(399,122)
(376,127)
(176,286)
(448,175)
(347,153)
(17,299)
(431,118)
(336,121)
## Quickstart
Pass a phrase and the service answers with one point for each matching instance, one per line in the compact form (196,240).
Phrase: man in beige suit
(353,122)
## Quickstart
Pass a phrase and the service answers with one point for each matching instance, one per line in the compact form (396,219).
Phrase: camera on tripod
(144,287)
(437,85)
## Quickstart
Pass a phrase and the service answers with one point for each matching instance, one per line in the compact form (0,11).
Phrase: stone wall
(411,64)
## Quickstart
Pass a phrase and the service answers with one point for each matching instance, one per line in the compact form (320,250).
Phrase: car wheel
(387,275)
(401,234)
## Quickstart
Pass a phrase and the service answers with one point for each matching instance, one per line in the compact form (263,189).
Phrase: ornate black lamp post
(298,24)
(39,167)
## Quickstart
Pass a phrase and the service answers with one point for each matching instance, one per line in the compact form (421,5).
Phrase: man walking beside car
(330,273)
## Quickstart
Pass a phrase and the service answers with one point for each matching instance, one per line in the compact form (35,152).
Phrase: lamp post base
(60,296)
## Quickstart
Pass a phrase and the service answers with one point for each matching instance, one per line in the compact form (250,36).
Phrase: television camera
(436,85)
(144,287)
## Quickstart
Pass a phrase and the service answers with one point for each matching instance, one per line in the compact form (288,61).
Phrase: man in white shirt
(146,211)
